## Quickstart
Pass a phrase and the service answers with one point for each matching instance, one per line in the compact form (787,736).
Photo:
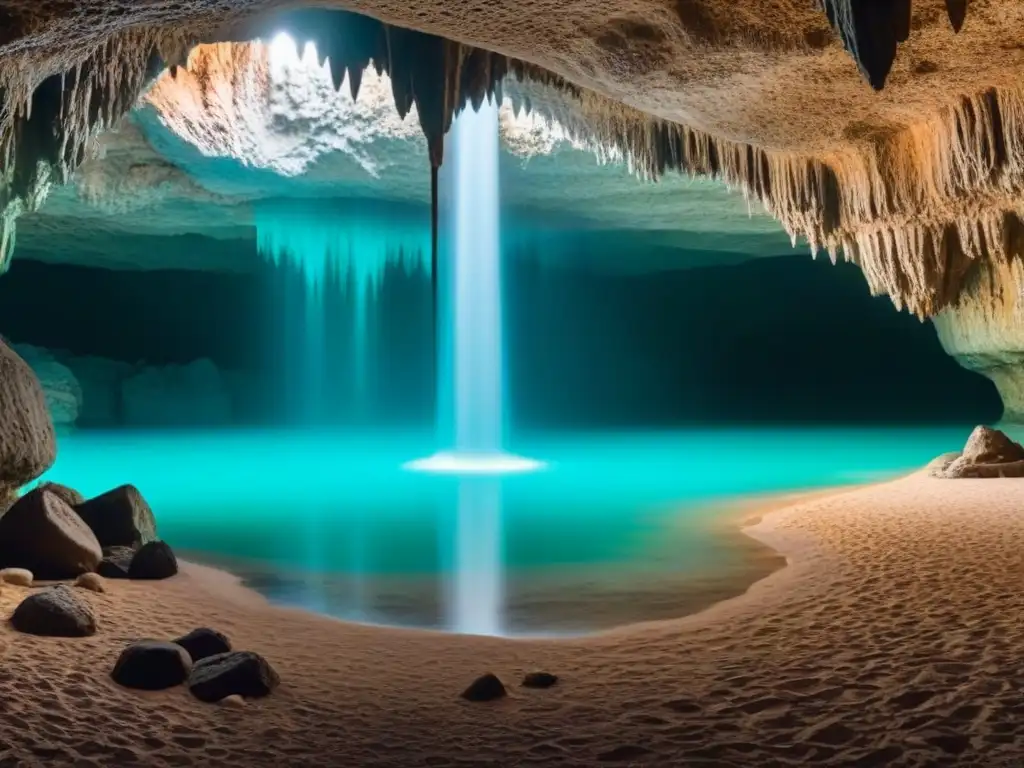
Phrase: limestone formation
(987,453)
(915,183)
(119,518)
(54,612)
(43,534)
(28,445)
(984,331)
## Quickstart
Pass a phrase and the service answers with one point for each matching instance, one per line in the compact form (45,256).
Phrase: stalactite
(914,211)
(45,126)
(871,31)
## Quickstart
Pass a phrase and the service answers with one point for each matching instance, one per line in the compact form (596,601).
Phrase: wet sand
(893,637)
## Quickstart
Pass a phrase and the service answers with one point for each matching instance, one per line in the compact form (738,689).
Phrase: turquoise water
(332,521)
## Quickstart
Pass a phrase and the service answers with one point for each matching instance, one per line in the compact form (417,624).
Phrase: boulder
(154,560)
(990,446)
(43,534)
(19,577)
(987,453)
(204,642)
(54,612)
(119,518)
(539,680)
(116,562)
(68,495)
(152,665)
(238,673)
(91,581)
(28,444)
(485,688)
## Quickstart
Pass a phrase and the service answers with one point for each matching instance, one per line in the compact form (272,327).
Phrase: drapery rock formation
(915,183)
(984,330)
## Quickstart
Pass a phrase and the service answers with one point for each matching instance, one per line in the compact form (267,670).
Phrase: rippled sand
(894,637)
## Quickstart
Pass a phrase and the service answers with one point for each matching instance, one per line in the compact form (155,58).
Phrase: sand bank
(893,638)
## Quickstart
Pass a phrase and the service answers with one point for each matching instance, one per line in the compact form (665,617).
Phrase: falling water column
(477,274)
(477,363)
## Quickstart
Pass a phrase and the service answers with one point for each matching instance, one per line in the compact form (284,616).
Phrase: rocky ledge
(987,453)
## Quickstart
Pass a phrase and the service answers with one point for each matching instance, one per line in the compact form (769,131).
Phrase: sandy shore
(894,637)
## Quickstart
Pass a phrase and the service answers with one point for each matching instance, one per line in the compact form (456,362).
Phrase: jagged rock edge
(875,207)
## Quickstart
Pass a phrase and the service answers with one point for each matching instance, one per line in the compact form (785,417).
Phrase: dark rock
(54,612)
(204,642)
(43,534)
(241,673)
(485,688)
(119,518)
(539,680)
(990,446)
(68,495)
(154,560)
(152,665)
(28,443)
(116,562)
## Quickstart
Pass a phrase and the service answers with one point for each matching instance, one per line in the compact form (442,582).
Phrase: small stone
(152,665)
(119,518)
(234,701)
(19,577)
(91,581)
(54,612)
(116,562)
(154,560)
(241,673)
(204,642)
(485,688)
(539,680)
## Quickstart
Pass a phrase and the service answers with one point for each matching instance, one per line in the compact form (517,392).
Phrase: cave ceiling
(887,133)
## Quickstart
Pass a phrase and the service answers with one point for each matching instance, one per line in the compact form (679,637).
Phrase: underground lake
(616,528)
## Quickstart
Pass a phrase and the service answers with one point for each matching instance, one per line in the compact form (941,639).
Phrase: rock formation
(28,446)
(987,453)
(44,535)
(984,331)
(915,184)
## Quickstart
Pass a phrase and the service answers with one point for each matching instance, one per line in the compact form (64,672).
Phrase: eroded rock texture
(912,184)
(987,453)
(28,445)
(984,331)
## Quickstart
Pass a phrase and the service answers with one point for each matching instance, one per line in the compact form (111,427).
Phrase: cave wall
(779,340)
